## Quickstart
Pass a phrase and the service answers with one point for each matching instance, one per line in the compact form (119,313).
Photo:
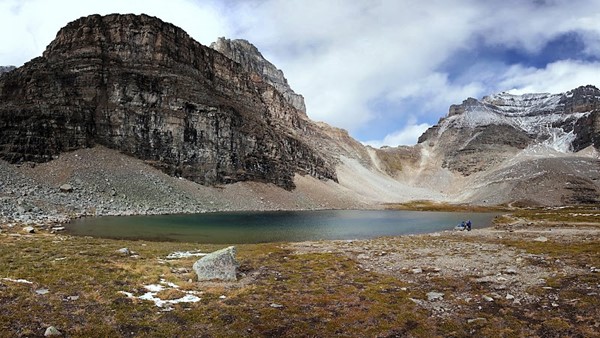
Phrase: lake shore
(534,274)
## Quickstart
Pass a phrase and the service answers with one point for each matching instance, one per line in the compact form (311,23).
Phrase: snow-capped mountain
(478,133)
(539,148)
(547,118)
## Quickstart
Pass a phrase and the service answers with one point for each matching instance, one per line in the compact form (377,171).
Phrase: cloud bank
(384,70)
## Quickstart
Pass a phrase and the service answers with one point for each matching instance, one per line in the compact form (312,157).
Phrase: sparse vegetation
(311,289)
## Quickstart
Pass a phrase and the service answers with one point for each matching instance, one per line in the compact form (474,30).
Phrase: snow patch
(185,254)
(154,289)
(22,281)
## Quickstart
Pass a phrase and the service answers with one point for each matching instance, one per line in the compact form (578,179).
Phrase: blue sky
(383,70)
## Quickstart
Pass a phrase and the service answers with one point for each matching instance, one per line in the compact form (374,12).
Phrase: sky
(385,70)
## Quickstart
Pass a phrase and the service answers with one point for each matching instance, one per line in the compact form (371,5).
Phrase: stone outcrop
(247,55)
(218,265)
(144,87)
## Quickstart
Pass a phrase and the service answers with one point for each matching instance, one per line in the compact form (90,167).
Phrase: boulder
(218,265)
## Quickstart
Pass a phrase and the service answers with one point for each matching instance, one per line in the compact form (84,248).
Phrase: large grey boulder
(218,265)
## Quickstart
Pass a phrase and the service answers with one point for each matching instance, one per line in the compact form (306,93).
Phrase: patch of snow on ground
(184,254)
(22,281)
(154,289)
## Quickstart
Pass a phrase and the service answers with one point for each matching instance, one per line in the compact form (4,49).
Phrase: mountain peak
(246,54)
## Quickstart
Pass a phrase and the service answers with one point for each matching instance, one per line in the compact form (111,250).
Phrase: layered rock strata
(144,87)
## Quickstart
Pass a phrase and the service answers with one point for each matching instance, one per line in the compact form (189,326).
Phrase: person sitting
(468,225)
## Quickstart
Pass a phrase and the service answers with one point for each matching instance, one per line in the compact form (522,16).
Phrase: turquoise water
(286,226)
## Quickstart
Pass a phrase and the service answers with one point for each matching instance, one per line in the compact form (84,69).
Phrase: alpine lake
(274,226)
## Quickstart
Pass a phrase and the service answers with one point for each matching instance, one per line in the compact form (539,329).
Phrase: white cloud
(407,136)
(556,77)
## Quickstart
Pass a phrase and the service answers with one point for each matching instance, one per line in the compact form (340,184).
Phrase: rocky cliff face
(144,87)
(478,134)
(247,55)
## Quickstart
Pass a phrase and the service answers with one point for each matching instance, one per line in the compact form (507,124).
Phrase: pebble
(541,239)
(277,306)
(487,298)
(42,291)
(509,296)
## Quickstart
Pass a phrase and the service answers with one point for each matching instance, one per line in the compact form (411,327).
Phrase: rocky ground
(535,274)
(471,275)
(99,181)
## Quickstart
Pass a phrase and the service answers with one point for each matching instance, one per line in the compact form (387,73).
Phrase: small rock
(509,296)
(416,270)
(541,239)
(29,230)
(73,298)
(433,296)
(42,291)
(277,306)
(487,298)
(554,305)
(124,251)
(51,331)
(66,188)
(58,228)
(510,271)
